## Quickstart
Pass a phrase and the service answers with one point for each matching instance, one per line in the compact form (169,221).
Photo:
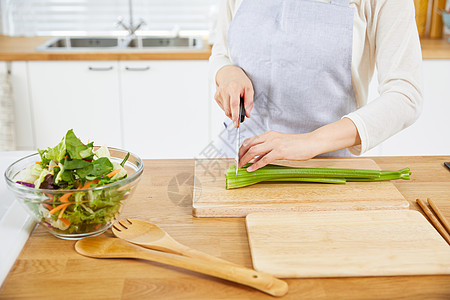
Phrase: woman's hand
(272,145)
(233,84)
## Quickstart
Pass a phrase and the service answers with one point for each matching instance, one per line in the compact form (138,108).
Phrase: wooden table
(49,268)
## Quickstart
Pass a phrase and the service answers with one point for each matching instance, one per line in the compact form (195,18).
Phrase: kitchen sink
(81,42)
(121,43)
(166,42)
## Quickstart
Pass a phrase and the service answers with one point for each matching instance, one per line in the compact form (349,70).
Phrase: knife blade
(238,133)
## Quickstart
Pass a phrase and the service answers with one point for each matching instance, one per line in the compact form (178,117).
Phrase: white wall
(429,135)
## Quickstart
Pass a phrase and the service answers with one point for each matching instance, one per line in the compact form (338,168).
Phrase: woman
(303,68)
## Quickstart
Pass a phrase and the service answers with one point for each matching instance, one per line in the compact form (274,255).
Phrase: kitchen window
(99,17)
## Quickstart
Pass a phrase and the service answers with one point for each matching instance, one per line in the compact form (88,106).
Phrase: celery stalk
(319,175)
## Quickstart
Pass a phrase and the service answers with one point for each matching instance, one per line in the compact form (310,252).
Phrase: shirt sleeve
(398,60)
(220,55)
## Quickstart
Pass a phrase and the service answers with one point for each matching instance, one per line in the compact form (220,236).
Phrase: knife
(238,134)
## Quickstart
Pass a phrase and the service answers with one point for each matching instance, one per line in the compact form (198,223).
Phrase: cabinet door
(82,95)
(21,102)
(165,107)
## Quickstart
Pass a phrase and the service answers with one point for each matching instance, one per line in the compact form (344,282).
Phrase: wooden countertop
(49,268)
(24,48)
(435,49)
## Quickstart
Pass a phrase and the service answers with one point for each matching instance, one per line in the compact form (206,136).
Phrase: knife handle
(241,111)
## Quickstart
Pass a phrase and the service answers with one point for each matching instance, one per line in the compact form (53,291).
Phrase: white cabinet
(156,109)
(429,135)
(22,109)
(82,95)
(165,107)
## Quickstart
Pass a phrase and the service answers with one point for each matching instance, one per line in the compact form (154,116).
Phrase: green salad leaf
(67,176)
(75,148)
(57,153)
(75,164)
(83,173)
(44,160)
(102,166)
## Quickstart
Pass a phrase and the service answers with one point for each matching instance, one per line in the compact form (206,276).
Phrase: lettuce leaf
(41,178)
(122,173)
(58,152)
(60,172)
(103,152)
(36,170)
(44,160)
(75,164)
(102,166)
(75,148)
(30,174)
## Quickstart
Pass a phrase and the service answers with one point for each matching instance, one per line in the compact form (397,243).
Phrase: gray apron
(298,55)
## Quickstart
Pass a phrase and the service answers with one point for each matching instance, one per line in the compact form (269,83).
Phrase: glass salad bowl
(75,214)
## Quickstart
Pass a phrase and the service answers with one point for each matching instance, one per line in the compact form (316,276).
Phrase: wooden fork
(150,236)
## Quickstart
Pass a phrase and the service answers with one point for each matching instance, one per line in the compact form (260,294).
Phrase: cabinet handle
(101,68)
(146,68)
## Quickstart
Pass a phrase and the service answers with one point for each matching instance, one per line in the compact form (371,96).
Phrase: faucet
(131,28)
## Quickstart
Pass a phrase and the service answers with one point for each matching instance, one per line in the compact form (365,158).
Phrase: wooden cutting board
(346,243)
(211,199)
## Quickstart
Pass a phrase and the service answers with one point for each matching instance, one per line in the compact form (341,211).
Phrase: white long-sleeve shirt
(384,35)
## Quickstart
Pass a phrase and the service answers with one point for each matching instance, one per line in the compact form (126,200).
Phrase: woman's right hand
(233,84)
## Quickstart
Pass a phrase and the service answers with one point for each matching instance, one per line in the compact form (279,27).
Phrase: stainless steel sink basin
(82,42)
(166,42)
(121,43)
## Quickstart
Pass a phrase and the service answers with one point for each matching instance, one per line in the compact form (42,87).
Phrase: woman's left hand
(273,145)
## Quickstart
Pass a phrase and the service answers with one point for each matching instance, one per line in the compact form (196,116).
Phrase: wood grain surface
(24,48)
(106,247)
(436,23)
(212,200)
(49,268)
(421,8)
(346,244)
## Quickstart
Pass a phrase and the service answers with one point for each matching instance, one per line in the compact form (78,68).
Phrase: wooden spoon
(104,247)
(150,236)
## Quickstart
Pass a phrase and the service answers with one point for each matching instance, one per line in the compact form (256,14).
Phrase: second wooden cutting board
(211,199)
(346,243)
